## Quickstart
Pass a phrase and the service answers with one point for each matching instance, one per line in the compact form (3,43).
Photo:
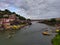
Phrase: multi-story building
(7,21)
(12,17)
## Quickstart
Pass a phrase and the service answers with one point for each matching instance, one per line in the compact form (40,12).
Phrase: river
(29,35)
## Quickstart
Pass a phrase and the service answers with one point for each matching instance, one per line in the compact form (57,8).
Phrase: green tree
(6,11)
(21,17)
(59,32)
(28,19)
(53,20)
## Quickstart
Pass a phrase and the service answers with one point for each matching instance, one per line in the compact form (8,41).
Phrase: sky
(33,9)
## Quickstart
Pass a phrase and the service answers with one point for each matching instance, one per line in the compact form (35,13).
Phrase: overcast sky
(34,9)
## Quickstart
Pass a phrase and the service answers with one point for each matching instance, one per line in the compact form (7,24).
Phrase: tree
(13,13)
(53,20)
(6,11)
(28,19)
(21,17)
(59,32)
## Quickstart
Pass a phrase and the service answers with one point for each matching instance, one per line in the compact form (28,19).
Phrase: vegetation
(51,22)
(56,40)
(20,17)
(59,32)
(6,11)
(29,19)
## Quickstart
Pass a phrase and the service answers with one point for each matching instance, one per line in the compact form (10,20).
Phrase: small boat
(46,33)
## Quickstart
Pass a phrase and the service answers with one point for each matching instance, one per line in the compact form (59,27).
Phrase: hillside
(7,12)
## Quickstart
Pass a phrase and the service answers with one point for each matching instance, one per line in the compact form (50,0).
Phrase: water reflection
(7,34)
(29,35)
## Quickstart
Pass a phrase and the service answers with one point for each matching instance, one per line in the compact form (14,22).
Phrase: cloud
(3,5)
(34,9)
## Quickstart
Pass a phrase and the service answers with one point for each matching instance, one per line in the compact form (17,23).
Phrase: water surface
(29,35)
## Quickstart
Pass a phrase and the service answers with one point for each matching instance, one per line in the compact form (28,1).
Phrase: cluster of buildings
(5,22)
(9,20)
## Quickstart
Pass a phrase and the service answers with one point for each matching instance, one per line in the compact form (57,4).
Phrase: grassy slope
(56,40)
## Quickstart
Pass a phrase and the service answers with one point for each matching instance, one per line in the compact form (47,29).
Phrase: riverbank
(14,27)
(56,40)
(9,33)
(51,22)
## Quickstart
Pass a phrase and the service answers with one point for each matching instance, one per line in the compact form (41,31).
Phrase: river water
(29,35)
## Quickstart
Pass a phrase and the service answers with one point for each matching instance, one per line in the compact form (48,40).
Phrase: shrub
(59,32)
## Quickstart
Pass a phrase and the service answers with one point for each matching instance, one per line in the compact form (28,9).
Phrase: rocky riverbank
(13,27)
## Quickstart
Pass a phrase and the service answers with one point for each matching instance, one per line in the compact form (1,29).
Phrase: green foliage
(53,20)
(56,40)
(6,11)
(59,32)
(1,16)
(20,17)
(29,19)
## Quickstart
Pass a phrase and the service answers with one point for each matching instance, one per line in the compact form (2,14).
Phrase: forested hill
(8,12)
